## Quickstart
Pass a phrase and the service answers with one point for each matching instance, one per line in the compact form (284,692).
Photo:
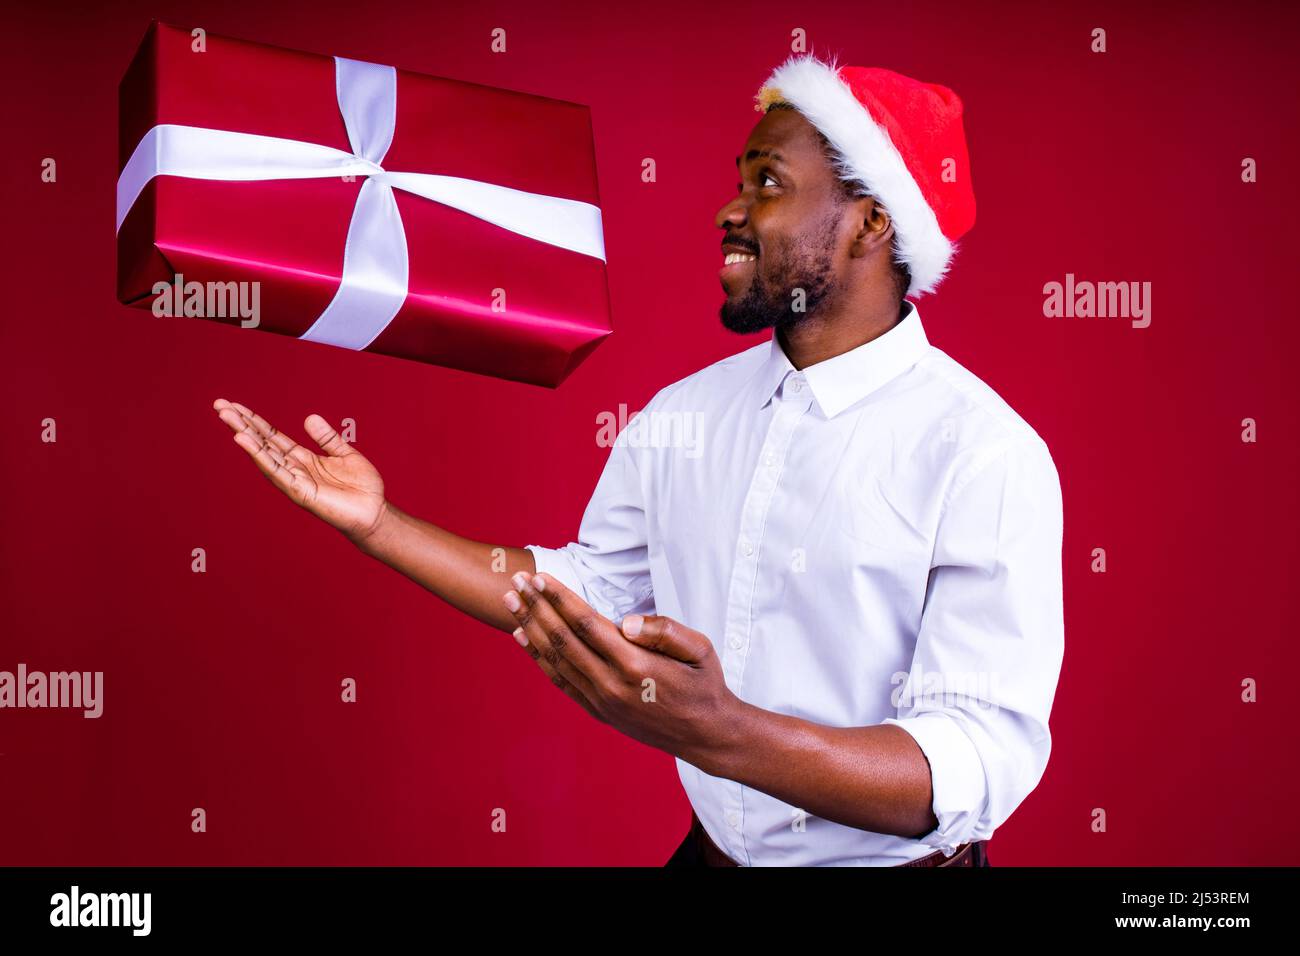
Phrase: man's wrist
(375,539)
(721,751)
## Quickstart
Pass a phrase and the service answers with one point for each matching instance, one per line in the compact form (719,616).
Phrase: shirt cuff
(556,563)
(956,777)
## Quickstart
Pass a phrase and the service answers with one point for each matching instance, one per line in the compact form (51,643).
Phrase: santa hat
(901,139)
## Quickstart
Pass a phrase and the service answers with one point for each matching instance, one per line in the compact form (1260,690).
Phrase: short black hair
(851,189)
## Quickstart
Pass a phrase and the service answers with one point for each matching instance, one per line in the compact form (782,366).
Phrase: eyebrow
(754,154)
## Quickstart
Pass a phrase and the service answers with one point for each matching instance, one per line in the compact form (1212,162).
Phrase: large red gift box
(374,208)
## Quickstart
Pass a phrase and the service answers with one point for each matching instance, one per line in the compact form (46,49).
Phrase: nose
(735,212)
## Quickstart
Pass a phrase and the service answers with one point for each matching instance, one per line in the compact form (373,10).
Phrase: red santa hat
(902,140)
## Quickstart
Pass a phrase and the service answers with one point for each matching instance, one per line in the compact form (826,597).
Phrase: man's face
(789,216)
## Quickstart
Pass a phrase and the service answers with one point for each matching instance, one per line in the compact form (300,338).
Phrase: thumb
(323,433)
(654,632)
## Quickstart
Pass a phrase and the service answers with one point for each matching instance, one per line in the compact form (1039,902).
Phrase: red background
(222,689)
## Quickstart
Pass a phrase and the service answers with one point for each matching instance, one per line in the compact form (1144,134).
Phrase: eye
(765,179)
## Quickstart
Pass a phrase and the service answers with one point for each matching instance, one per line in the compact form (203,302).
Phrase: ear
(875,228)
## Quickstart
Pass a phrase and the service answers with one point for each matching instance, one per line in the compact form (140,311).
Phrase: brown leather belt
(967,853)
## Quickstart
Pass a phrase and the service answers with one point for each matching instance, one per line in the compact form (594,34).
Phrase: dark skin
(792,214)
(873,778)
(788,205)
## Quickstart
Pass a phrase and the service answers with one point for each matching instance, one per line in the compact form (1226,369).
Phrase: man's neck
(817,339)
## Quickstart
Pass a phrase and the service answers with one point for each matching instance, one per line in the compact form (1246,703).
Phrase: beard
(770,303)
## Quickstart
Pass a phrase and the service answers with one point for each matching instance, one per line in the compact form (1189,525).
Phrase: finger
(552,637)
(522,639)
(282,474)
(291,466)
(584,632)
(259,424)
(239,417)
(653,632)
(323,434)
(236,420)
(591,628)
(278,439)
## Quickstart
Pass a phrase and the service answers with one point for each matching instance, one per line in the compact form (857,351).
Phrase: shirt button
(733,819)
(770,460)
(737,643)
(798,385)
(749,549)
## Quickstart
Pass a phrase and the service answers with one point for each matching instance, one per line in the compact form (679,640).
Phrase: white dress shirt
(873,539)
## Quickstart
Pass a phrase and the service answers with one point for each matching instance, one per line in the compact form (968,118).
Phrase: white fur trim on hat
(868,156)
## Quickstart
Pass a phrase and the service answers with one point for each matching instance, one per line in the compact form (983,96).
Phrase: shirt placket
(792,402)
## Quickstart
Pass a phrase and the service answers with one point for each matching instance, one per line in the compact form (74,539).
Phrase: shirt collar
(847,378)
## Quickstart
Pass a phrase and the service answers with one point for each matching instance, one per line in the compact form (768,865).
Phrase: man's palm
(340,486)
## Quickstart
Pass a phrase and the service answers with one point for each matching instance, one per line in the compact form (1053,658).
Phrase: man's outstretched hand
(340,486)
(653,678)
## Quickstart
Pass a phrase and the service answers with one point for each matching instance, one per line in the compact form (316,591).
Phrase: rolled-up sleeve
(609,563)
(991,641)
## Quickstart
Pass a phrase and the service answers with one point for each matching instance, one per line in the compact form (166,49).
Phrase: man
(841,609)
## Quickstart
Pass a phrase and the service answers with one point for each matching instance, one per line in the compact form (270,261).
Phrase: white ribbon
(376,269)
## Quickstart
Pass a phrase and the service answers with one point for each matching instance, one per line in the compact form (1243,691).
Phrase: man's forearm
(469,575)
(872,778)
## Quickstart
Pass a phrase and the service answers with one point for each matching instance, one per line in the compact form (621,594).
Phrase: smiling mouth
(732,258)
